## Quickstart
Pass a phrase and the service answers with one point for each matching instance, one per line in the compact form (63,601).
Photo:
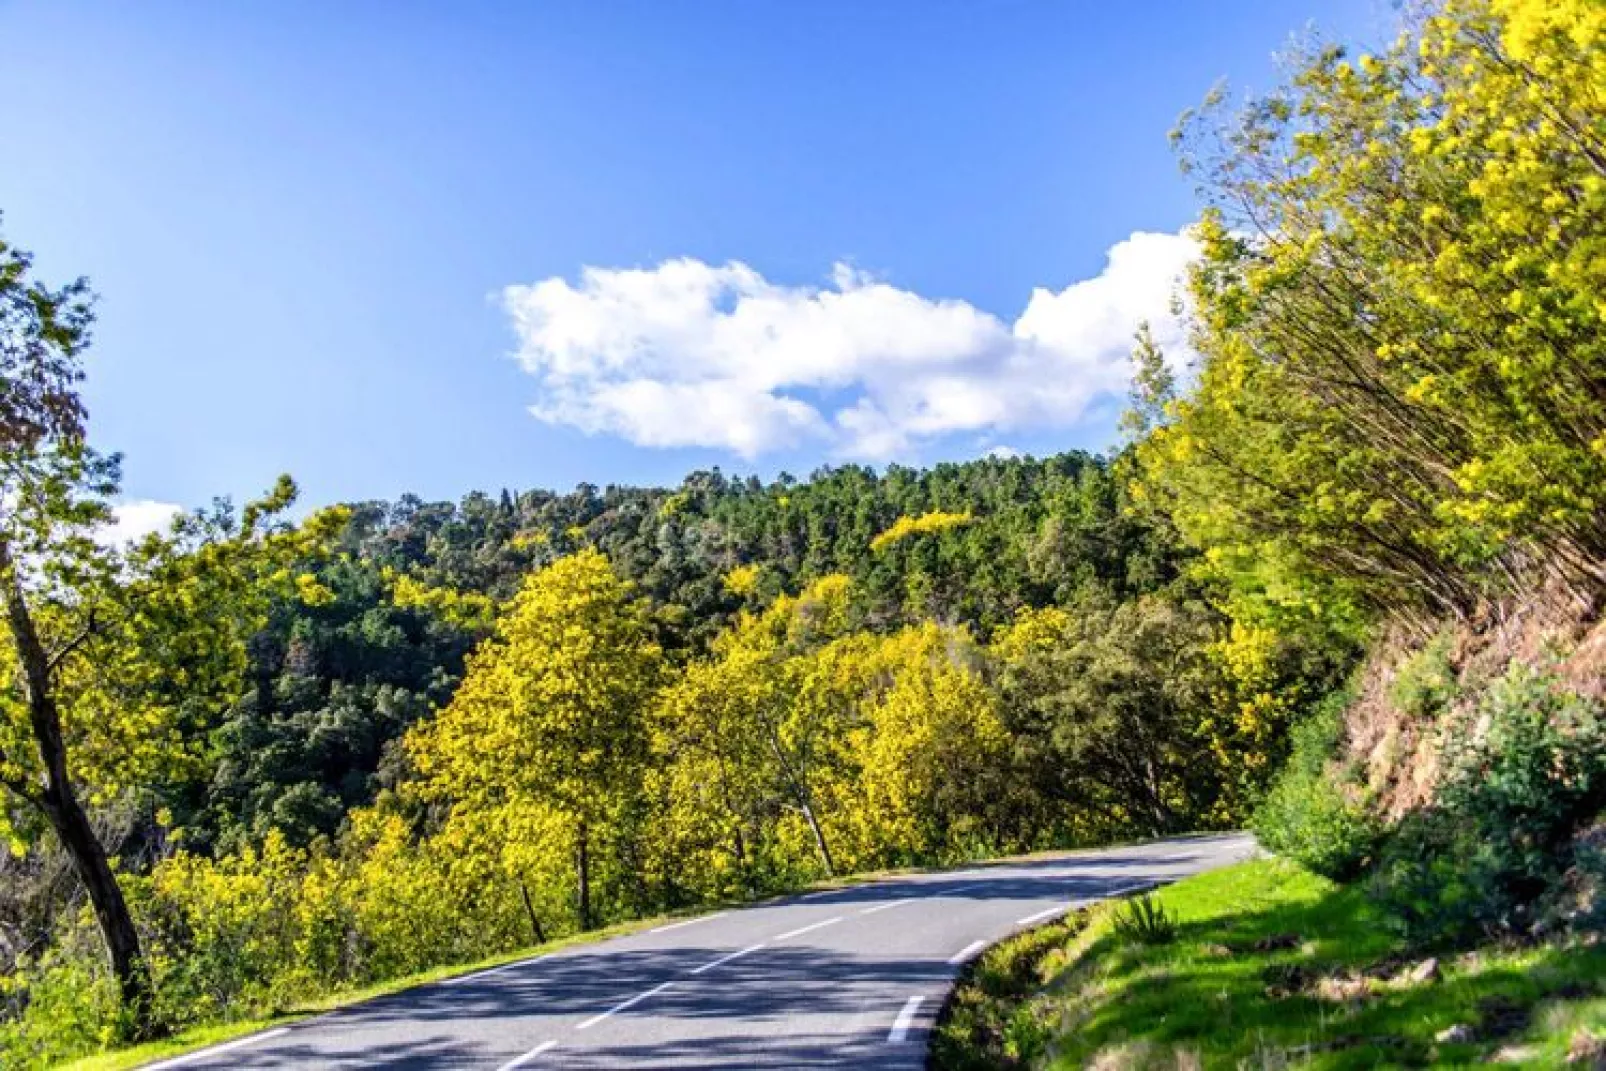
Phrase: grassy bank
(1270,966)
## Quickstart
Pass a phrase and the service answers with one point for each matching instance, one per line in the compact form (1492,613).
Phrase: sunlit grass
(1271,967)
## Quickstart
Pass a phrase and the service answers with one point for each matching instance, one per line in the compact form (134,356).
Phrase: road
(852,977)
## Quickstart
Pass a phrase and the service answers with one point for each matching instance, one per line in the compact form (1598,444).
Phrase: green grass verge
(1271,966)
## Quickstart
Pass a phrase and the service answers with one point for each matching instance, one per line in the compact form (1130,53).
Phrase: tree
(113,651)
(1399,405)
(551,713)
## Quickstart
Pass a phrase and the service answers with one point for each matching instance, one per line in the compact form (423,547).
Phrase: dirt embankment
(1417,687)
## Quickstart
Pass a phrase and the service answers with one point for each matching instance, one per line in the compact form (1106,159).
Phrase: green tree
(1399,407)
(552,710)
(113,652)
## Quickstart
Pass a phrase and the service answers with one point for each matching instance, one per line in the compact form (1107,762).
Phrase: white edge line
(1062,908)
(965,953)
(218,1050)
(822,892)
(711,964)
(527,1057)
(462,978)
(622,1005)
(962,888)
(889,903)
(1057,909)
(900,1026)
(806,929)
(689,922)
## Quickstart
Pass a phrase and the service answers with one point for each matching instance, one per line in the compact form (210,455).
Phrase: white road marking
(900,1026)
(218,1050)
(966,952)
(617,1008)
(963,889)
(822,892)
(808,929)
(1061,908)
(460,979)
(726,959)
(527,1057)
(689,922)
(883,907)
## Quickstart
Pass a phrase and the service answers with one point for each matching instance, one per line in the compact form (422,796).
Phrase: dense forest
(1342,581)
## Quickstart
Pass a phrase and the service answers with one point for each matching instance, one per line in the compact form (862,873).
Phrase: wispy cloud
(692,354)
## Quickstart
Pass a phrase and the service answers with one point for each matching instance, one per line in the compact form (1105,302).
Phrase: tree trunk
(805,802)
(819,838)
(60,805)
(529,909)
(582,860)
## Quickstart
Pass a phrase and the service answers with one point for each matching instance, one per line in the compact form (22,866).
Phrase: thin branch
(84,635)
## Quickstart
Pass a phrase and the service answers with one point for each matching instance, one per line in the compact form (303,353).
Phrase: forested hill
(410,585)
(1033,531)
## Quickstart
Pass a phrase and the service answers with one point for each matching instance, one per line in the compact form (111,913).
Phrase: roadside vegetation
(1269,965)
(1401,275)
(1344,581)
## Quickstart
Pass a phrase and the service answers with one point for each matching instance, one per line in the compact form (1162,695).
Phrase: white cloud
(693,354)
(1004,452)
(134,520)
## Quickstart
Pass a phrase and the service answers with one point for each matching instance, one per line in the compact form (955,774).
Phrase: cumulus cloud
(694,354)
(137,519)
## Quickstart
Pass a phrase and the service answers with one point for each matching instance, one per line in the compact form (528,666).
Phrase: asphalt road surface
(848,978)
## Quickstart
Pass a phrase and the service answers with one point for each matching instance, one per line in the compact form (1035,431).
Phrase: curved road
(852,977)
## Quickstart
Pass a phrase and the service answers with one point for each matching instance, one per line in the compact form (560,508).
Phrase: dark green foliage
(334,685)
(1310,814)
(1520,779)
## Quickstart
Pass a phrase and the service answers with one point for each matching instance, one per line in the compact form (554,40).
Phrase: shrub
(1143,920)
(1425,684)
(1517,783)
(49,1012)
(1309,815)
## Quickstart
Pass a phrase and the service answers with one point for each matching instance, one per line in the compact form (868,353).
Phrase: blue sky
(818,228)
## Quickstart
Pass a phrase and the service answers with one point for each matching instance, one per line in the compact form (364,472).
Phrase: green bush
(1425,684)
(1308,815)
(1519,780)
(52,1011)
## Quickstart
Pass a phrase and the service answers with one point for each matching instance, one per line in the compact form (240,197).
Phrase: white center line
(527,1057)
(900,1026)
(617,1008)
(689,922)
(966,952)
(216,1050)
(1041,915)
(963,889)
(460,979)
(726,959)
(883,907)
(808,929)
